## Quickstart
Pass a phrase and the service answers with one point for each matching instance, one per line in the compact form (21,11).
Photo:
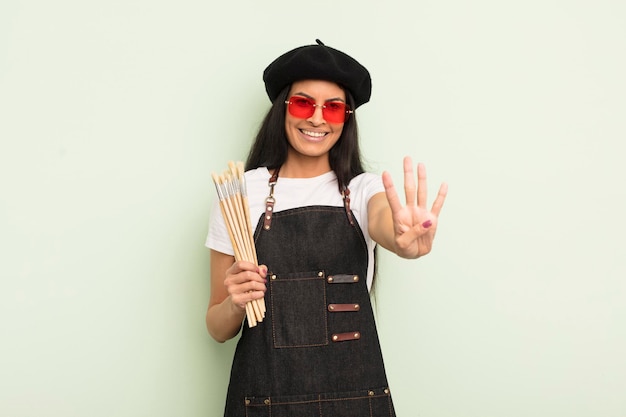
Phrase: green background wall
(113,114)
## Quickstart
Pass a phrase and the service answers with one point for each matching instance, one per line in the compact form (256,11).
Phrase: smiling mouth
(314,134)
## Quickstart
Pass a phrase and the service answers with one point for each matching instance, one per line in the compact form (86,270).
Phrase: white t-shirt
(300,192)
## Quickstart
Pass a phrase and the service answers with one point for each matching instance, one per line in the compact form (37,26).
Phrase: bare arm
(407,230)
(233,284)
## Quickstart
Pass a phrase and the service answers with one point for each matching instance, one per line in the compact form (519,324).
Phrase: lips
(314,135)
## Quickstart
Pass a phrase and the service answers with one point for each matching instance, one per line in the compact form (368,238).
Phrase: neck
(304,167)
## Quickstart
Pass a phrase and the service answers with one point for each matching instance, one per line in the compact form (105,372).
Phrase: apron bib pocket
(298,303)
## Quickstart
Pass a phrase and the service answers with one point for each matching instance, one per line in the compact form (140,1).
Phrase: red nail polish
(427,224)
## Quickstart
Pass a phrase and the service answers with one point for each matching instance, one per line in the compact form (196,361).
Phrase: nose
(318,117)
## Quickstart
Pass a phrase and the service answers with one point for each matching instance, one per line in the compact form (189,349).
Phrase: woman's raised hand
(414,225)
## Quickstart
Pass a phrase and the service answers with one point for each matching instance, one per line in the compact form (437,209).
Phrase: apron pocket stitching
(289,315)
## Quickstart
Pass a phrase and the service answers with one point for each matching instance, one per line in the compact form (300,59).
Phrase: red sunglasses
(333,111)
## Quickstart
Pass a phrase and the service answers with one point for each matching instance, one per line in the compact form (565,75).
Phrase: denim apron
(316,353)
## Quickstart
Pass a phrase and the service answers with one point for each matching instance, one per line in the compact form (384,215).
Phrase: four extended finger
(409,181)
(422,188)
(391,193)
(441,197)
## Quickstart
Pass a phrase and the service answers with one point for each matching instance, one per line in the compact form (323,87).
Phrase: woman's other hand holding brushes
(245,282)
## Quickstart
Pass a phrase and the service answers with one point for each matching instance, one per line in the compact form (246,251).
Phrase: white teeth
(314,134)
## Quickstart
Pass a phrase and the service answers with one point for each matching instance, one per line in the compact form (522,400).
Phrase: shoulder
(257,181)
(366,184)
(257,174)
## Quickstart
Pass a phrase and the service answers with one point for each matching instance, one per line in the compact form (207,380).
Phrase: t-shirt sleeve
(367,186)
(373,186)
(218,238)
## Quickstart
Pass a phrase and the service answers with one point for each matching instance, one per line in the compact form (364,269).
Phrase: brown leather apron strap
(346,203)
(343,337)
(340,308)
(270,201)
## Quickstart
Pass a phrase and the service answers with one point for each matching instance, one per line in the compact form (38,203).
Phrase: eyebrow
(313,98)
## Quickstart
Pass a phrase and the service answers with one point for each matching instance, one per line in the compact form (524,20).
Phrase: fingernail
(427,224)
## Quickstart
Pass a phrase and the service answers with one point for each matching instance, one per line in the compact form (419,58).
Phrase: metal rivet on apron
(355,278)
(267,228)
(331,307)
(387,391)
(370,393)
(266,401)
(320,274)
(247,401)
(356,306)
(273,276)
(330,279)
(335,338)
(357,335)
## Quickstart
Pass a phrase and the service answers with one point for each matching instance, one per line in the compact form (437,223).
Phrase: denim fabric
(289,365)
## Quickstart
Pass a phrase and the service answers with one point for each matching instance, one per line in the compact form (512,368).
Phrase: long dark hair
(270,145)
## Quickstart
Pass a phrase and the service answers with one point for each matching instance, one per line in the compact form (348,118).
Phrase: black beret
(318,62)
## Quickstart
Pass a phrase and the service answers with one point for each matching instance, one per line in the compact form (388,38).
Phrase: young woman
(316,353)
